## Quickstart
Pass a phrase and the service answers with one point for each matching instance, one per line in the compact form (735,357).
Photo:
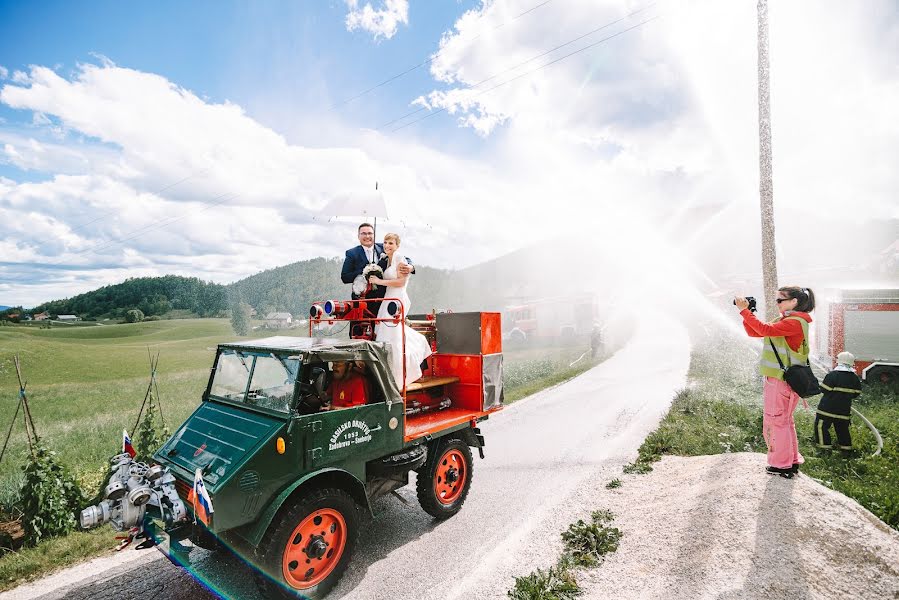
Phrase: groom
(365,253)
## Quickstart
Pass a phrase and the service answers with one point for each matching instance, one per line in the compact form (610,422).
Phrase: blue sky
(199,138)
(296,56)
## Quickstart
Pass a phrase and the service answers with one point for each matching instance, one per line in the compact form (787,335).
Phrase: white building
(278,320)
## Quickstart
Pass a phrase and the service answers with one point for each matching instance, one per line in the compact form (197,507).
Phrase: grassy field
(85,384)
(721,412)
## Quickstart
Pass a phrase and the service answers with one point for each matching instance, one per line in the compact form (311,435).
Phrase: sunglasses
(779,300)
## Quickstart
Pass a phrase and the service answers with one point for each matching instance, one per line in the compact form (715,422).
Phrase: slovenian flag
(126,444)
(199,499)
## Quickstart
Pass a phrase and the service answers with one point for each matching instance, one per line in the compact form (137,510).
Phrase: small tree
(50,497)
(135,315)
(240,317)
(152,434)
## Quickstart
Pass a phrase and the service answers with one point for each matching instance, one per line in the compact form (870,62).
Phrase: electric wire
(533,58)
(431,59)
(159,191)
(158,224)
(561,58)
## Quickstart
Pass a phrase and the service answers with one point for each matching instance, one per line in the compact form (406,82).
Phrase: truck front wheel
(444,480)
(309,545)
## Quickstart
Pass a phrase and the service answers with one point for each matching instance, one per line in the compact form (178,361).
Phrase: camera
(751,301)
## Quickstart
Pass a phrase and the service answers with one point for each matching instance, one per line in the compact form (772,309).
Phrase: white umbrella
(358,204)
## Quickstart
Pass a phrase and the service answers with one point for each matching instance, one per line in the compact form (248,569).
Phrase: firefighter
(840,387)
(348,387)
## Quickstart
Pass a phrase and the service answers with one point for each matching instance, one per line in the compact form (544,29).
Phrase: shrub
(587,543)
(615,483)
(556,583)
(134,315)
(50,497)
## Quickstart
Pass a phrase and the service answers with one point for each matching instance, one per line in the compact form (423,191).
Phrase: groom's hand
(403,269)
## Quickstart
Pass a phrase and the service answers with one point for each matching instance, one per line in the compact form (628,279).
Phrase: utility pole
(766,183)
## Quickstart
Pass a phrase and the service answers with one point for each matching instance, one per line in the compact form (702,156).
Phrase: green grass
(86,384)
(526,372)
(721,412)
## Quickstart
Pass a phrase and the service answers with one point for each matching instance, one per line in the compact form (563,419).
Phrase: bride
(417,347)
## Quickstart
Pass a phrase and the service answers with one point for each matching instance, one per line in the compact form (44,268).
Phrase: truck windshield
(255,379)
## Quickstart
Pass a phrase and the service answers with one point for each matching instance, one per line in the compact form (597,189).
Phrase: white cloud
(140,178)
(4,72)
(383,22)
(679,93)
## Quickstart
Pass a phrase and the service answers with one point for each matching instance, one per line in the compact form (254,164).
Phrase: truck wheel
(444,480)
(309,545)
(883,374)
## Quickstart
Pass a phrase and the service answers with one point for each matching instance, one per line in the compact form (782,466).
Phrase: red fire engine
(865,323)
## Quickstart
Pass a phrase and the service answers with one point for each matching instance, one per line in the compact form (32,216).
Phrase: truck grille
(183,488)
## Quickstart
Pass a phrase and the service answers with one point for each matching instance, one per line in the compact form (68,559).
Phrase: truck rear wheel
(309,545)
(444,480)
(887,375)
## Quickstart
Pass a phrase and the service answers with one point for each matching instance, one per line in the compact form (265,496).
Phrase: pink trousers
(778,426)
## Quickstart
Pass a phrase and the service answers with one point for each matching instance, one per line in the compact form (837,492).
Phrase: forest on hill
(150,295)
(293,288)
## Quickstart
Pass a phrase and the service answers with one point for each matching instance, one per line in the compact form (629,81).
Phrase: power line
(159,191)
(158,224)
(437,112)
(431,59)
(533,58)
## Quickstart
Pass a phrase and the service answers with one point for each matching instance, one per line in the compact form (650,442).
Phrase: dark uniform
(840,387)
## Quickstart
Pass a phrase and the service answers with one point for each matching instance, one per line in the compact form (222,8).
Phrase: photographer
(788,334)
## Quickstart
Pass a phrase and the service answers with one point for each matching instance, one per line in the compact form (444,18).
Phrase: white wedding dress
(417,347)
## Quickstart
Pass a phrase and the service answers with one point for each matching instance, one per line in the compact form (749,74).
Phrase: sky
(207,139)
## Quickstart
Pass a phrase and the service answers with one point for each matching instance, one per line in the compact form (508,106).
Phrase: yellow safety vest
(769,366)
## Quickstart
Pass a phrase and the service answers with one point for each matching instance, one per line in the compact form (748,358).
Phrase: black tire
(448,456)
(283,536)
(885,374)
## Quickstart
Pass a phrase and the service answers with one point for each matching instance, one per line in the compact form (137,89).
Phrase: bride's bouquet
(372,270)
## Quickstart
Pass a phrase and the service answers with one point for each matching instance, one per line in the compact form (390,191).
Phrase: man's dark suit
(355,262)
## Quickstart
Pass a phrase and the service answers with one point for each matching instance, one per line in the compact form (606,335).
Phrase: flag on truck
(126,444)
(199,499)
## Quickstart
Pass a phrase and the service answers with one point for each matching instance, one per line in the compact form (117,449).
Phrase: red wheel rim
(314,549)
(449,480)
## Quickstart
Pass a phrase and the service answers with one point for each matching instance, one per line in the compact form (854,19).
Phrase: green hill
(294,287)
(151,295)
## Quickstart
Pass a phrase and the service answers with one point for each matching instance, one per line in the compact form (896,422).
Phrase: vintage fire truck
(863,322)
(261,468)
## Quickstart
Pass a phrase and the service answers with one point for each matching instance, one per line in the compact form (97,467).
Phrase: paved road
(542,455)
